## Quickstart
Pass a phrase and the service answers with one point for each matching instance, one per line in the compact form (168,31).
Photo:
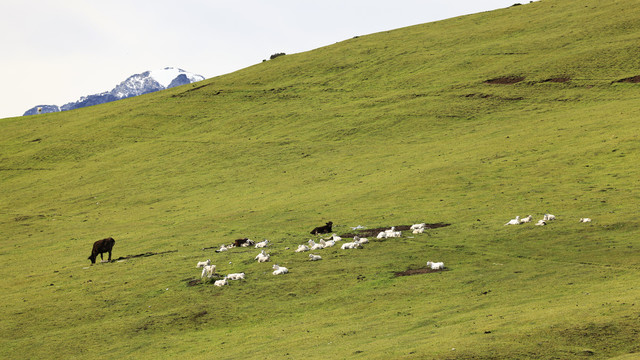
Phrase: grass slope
(385,129)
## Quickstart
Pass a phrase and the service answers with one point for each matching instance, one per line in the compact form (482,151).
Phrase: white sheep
(203,263)
(435,265)
(515,221)
(315,246)
(221,282)
(279,270)
(382,235)
(208,271)
(262,257)
(393,233)
(236,276)
(360,240)
(328,243)
(262,244)
(302,247)
(222,248)
(585,220)
(541,223)
(248,243)
(314,257)
(350,245)
(548,217)
(418,226)
(335,237)
(418,231)
(526,219)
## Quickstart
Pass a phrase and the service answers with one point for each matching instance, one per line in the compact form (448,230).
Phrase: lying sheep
(223,248)
(515,221)
(328,243)
(315,246)
(279,270)
(350,245)
(526,219)
(236,276)
(314,257)
(585,220)
(418,231)
(302,247)
(208,271)
(203,263)
(541,223)
(360,240)
(418,226)
(262,244)
(262,257)
(435,265)
(548,217)
(221,282)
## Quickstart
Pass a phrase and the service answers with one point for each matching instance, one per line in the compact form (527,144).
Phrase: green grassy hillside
(468,121)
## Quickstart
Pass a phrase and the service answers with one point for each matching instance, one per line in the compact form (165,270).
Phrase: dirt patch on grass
(417,272)
(143,255)
(633,80)
(505,80)
(559,79)
(376,231)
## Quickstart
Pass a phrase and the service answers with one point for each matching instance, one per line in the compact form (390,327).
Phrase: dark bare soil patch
(374,232)
(143,255)
(193,282)
(505,80)
(633,80)
(559,79)
(417,272)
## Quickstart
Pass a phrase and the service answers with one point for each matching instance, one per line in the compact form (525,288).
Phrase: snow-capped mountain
(134,85)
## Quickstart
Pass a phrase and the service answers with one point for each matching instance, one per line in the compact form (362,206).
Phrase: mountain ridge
(134,85)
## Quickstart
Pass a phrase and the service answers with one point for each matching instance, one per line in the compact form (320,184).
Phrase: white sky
(55,51)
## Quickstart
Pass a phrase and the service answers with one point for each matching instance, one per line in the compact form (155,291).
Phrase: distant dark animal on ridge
(323,229)
(100,247)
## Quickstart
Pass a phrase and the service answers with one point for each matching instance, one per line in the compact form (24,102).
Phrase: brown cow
(101,246)
(322,229)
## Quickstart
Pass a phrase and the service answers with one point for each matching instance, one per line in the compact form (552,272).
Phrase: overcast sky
(55,51)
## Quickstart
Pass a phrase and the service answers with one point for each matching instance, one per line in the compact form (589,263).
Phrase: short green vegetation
(468,121)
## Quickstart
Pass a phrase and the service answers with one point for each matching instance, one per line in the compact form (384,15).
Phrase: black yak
(323,229)
(101,246)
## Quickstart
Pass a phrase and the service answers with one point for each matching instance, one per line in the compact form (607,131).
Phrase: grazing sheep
(279,270)
(541,223)
(314,257)
(236,276)
(585,220)
(526,219)
(327,228)
(262,244)
(208,271)
(203,263)
(515,221)
(435,265)
(221,282)
(548,217)
(302,247)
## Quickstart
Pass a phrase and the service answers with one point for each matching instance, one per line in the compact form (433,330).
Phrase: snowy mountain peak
(134,85)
